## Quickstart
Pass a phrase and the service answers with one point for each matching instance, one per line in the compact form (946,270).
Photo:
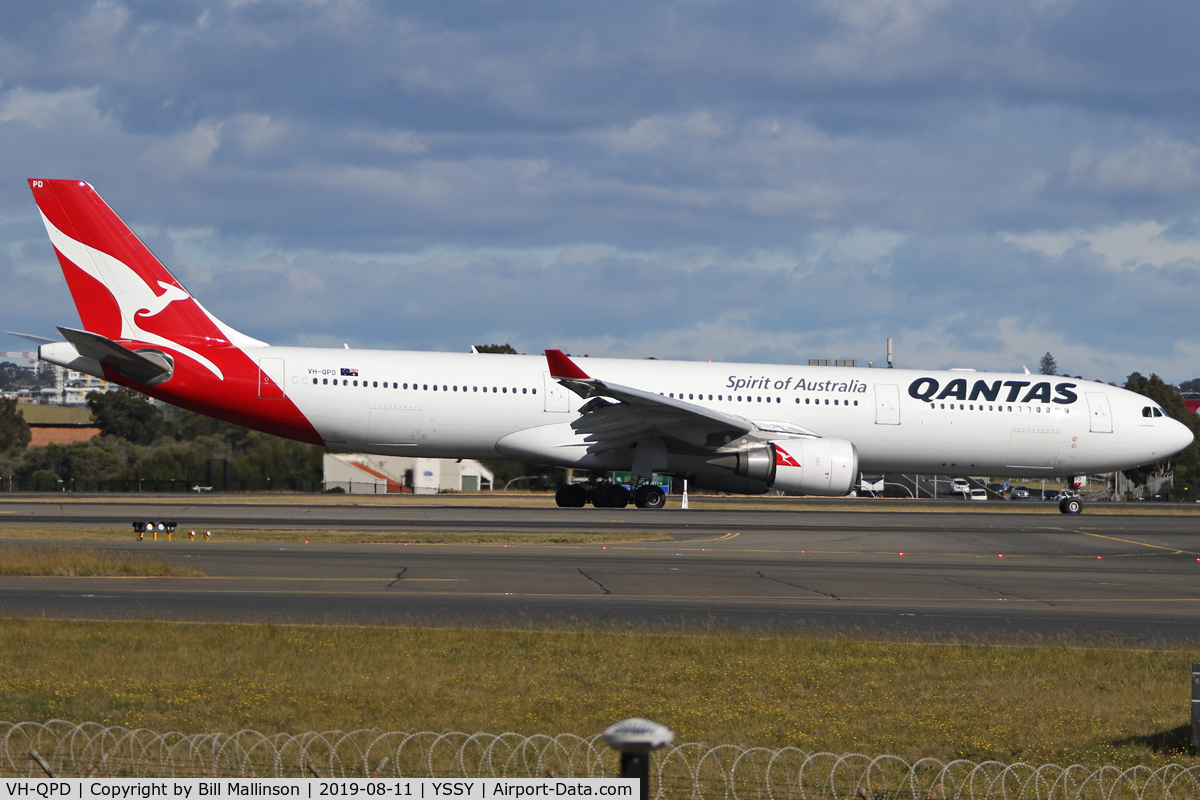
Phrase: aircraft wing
(637,414)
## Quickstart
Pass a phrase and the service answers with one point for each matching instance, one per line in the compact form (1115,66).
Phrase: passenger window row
(760,399)
(426,387)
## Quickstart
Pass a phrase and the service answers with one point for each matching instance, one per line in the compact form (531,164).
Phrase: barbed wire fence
(692,771)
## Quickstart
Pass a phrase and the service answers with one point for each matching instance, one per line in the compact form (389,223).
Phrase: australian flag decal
(353,373)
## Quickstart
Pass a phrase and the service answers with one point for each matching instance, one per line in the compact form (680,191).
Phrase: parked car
(978,494)
(1019,493)
(1050,494)
(960,486)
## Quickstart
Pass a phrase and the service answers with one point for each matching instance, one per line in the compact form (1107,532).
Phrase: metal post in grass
(635,738)
(1195,707)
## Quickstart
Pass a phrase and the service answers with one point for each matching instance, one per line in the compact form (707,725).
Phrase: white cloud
(1124,246)
(398,142)
(259,134)
(1156,165)
(659,132)
(185,151)
(43,110)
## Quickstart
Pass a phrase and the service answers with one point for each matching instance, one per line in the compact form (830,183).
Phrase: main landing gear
(609,495)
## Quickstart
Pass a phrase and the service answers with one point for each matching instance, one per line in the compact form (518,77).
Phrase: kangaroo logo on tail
(134,296)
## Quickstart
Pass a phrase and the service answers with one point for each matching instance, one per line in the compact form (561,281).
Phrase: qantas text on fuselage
(737,427)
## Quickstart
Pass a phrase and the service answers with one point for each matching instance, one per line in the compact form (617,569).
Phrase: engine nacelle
(826,467)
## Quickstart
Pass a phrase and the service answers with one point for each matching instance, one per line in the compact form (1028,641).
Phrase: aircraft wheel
(571,495)
(610,495)
(1070,505)
(649,496)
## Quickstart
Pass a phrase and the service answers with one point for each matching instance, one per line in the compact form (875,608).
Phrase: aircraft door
(1101,417)
(270,378)
(556,394)
(887,404)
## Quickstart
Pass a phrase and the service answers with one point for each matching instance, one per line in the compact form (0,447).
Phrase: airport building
(360,473)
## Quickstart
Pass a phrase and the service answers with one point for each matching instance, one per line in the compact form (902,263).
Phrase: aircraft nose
(1178,436)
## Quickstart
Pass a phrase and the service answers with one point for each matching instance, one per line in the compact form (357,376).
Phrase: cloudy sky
(983,180)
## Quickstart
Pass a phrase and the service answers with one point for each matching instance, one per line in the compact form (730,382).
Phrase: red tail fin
(121,290)
(144,329)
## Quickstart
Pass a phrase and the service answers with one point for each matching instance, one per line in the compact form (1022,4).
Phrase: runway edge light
(634,739)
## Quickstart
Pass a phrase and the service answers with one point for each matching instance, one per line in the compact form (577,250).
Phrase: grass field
(1035,702)
(84,561)
(68,533)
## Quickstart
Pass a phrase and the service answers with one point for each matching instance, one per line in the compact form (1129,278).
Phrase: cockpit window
(1152,411)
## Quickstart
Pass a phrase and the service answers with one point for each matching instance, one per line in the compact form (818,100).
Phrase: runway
(975,574)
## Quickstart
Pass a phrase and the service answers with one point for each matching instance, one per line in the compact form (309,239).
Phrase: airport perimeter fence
(156,485)
(686,771)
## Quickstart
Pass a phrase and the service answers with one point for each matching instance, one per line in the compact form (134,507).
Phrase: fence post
(635,738)
(1195,707)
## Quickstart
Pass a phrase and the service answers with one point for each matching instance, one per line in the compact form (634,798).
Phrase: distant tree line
(14,377)
(140,442)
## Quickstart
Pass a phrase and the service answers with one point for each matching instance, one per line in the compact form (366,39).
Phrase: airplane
(732,427)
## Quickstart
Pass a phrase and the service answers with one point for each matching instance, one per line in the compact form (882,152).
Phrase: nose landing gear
(1070,505)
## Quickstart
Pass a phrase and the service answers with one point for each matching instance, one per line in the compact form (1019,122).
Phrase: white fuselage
(949,422)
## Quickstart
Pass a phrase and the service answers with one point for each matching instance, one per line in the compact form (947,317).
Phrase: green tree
(194,426)
(1190,386)
(1186,464)
(496,348)
(1048,366)
(11,375)
(14,430)
(126,414)
(92,460)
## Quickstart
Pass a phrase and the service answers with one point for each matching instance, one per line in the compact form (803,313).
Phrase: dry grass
(70,533)
(1037,703)
(503,499)
(71,562)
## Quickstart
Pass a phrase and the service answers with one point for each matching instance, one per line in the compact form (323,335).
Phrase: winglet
(561,366)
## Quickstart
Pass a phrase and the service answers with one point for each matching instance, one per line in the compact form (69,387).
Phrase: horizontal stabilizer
(146,368)
(38,340)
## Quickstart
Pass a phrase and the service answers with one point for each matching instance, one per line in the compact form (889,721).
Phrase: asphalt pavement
(952,573)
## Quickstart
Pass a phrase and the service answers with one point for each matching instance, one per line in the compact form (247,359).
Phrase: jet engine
(826,467)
